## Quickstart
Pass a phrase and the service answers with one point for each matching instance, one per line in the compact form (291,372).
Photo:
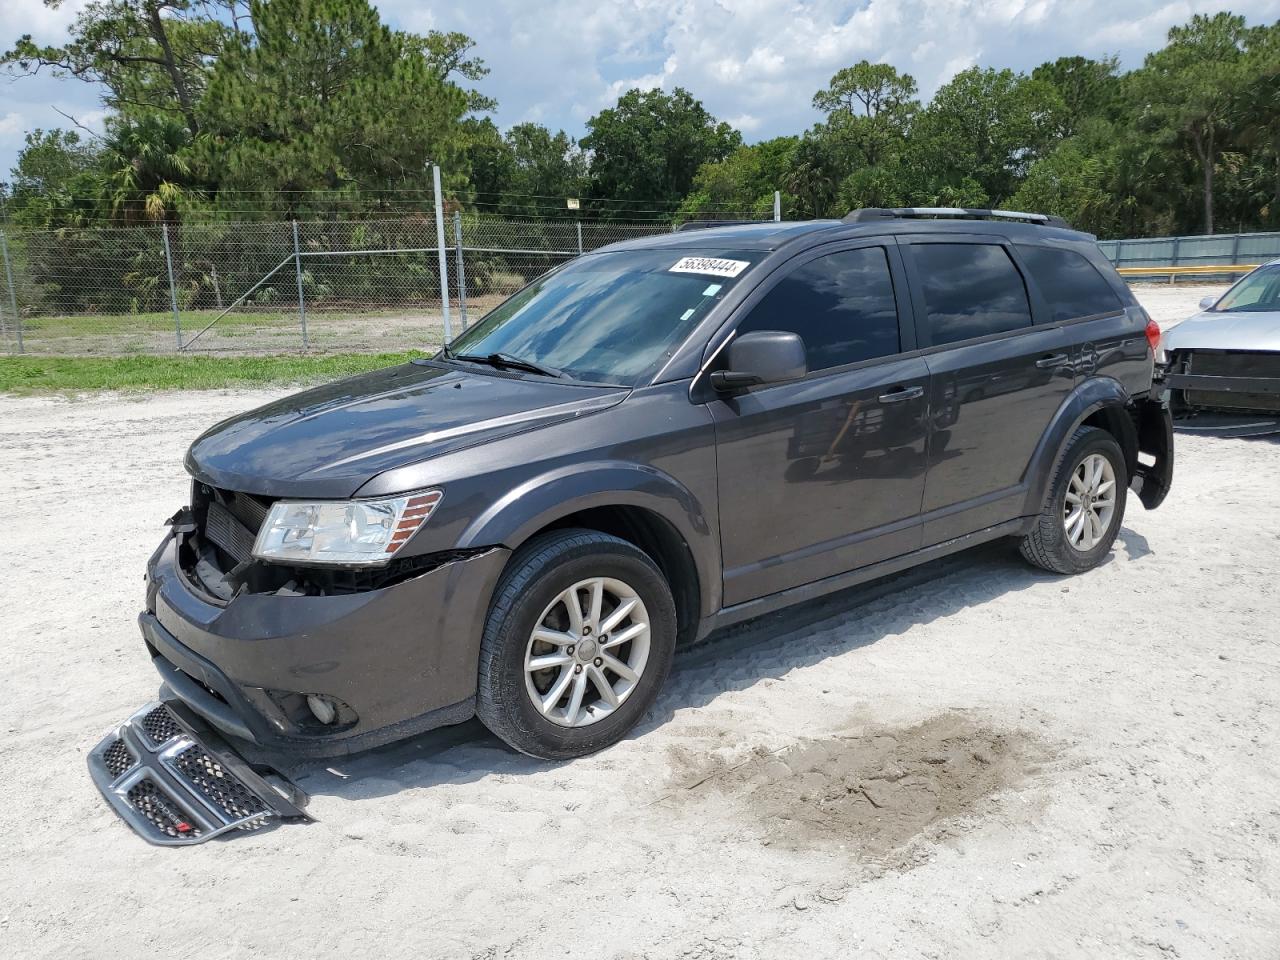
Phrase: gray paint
(780,492)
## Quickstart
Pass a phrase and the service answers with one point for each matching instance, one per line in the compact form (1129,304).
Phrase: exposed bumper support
(1191,381)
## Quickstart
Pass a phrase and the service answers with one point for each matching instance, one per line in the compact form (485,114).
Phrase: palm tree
(146,175)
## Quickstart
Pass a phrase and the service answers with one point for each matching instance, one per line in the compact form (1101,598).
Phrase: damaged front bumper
(390,662)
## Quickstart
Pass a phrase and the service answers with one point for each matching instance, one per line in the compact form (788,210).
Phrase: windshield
(1258,291)
(606,317)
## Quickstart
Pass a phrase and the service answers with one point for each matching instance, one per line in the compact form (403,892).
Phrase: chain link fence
(369,285)
(256,288)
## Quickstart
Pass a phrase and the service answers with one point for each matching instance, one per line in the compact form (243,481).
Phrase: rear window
(1072,285)
(841,305)
(970,290)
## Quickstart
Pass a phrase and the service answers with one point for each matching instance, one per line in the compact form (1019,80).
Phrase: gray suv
(646,444)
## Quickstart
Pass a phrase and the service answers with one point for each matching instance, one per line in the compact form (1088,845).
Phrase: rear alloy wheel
(577,645)
(1084,506)
(1089,505)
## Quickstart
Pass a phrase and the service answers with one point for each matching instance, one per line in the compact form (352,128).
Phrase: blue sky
(755,63)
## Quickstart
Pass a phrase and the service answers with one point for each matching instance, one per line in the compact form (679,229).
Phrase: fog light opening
(322,708)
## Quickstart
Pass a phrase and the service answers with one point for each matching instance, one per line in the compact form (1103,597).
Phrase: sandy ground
(1169,304)
(981,760)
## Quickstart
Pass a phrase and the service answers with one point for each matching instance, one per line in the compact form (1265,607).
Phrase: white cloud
(764,59)
(12,124)
(756,61)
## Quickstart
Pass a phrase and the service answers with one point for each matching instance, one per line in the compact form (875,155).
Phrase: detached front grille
(219,786)
(160,726)
(161,812)
(174,784)
(117,758)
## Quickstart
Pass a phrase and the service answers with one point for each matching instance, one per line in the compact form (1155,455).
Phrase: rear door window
(1070,283)
(841,305)
(970,290)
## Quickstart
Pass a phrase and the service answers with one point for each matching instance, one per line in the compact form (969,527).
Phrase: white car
(1227,357)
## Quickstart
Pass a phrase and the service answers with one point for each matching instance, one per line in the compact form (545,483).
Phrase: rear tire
(554,682)
(1084,507)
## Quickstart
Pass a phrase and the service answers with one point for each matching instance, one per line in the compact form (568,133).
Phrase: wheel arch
(639,504)
(1100,402)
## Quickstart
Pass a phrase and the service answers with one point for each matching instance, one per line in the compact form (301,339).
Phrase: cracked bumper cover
(403,658)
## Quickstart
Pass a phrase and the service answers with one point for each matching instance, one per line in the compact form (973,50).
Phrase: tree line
(267,109)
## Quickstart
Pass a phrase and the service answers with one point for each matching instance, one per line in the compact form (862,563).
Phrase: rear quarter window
(970,290)
(1071,284)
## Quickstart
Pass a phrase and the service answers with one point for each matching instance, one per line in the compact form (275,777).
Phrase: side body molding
(548,497)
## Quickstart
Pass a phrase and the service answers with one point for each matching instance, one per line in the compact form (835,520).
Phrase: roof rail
(953,213)
(709,224)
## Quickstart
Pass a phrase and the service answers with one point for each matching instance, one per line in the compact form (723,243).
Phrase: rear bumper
(1153,475)
(401,659)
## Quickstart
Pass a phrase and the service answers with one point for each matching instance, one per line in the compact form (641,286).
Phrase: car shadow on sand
(732,659)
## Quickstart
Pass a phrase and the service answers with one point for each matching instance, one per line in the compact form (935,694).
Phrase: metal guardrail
(1200,271)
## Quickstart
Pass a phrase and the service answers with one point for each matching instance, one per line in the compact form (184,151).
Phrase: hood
(1226,331)
(328,442)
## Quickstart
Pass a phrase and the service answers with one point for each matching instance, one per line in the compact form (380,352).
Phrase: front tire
(578,642)
(1084,507)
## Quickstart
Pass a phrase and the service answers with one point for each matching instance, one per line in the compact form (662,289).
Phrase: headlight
(351,532)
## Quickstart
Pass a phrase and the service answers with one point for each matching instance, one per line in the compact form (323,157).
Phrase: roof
(767,235)
(771,235)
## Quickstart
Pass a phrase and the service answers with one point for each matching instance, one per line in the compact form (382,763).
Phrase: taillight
(1153,335)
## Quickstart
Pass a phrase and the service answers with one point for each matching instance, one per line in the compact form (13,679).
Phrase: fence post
(13,293)
(173,289)
(462,269)
(302,300)
(777,206)
(1235,249)
(579,225)
(440,248)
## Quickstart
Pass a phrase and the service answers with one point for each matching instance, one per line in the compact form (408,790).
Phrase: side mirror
(762,356)
(1208,302)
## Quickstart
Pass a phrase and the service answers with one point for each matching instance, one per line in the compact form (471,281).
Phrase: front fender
(549,497)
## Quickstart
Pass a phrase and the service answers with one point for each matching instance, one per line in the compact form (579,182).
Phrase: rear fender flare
(547,498)
(1085,400)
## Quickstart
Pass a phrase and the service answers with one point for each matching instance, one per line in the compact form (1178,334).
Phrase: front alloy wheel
(578,641)
(587,652)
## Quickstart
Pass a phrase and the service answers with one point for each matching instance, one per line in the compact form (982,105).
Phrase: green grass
(63,374)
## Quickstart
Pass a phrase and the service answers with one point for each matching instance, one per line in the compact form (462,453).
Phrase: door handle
(898,394)
(1053,360)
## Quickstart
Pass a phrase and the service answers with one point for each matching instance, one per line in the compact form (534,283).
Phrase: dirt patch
(876,792)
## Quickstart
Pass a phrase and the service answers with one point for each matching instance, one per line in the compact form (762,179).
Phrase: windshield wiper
(505,361)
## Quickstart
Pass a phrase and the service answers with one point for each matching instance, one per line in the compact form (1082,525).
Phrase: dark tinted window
(970,290)
(841,305)
(1072,285)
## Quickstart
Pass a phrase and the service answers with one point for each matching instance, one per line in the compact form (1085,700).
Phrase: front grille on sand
(164,775)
